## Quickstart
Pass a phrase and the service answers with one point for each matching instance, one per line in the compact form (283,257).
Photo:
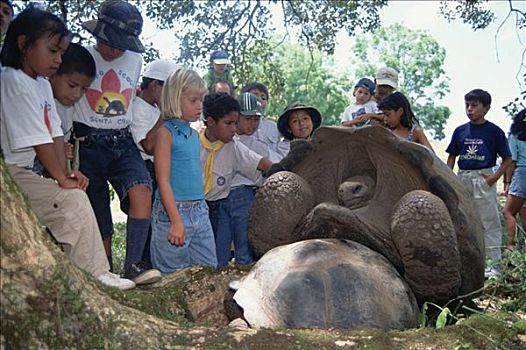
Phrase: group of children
(186,191)
(377,103)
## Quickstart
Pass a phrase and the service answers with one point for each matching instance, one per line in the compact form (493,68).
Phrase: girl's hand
(68,150)
(176,234)
(82,180)
(506,188)
(68,183)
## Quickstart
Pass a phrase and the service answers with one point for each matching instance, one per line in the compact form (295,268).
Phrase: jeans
(109,155)
(199,246)
(229,218)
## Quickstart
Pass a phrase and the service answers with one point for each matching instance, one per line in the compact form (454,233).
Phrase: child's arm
(148,143)
(353,122)
(264,164)
(176,234)
(47,155)
(491,179)
(82,180)
(421,138)
(508,175)
(451,161)
(58,142)
(68,150)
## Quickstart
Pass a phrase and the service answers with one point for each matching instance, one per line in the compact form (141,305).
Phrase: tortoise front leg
(425,237)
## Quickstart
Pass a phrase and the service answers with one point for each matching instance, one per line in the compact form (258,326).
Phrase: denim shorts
(199,246)
(108,155)
(518,182)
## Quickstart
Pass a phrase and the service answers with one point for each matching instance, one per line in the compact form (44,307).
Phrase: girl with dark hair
(400,118)
(30,126)
(516,172)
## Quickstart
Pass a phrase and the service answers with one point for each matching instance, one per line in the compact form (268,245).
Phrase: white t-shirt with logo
(28,116)
(145,116)
(232,158)
(107,103)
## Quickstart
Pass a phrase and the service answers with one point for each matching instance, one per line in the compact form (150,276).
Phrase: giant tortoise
(393,196)
(326,283)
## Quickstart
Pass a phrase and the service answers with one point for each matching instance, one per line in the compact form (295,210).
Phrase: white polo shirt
(232,158)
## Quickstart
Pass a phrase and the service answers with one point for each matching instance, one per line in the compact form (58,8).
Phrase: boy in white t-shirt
(146,110)
(266,140)
(222,158)
(355,115)
(108,152)
(75,75)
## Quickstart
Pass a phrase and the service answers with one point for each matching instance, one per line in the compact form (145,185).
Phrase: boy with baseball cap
(108,152)
(355,115)
(219,70)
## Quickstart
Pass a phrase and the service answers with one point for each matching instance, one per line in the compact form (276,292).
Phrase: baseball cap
(366,83)
(119,25)
(160,69)
(387,76)
(220,57)
(250,104)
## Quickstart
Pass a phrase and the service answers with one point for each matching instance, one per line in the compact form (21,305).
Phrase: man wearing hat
(102,118)
(218,70)
(386,80)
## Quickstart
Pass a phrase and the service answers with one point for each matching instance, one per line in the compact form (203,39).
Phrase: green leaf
(422,317)
(442,318)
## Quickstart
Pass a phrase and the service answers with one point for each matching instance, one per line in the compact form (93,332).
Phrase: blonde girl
(181,231)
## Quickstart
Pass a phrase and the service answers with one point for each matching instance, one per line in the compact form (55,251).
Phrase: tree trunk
(48,302)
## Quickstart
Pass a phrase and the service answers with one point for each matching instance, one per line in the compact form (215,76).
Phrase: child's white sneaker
(115,281)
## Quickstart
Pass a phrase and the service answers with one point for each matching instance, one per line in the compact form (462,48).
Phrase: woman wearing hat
(298,121)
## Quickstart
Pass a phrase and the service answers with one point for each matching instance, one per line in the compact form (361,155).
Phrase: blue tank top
(186,177)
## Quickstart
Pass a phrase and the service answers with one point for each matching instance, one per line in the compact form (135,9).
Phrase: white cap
(387,76)
(160,69)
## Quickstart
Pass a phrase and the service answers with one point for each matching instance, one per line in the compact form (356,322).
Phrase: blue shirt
(477,145)
(186,177)
(518,150)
